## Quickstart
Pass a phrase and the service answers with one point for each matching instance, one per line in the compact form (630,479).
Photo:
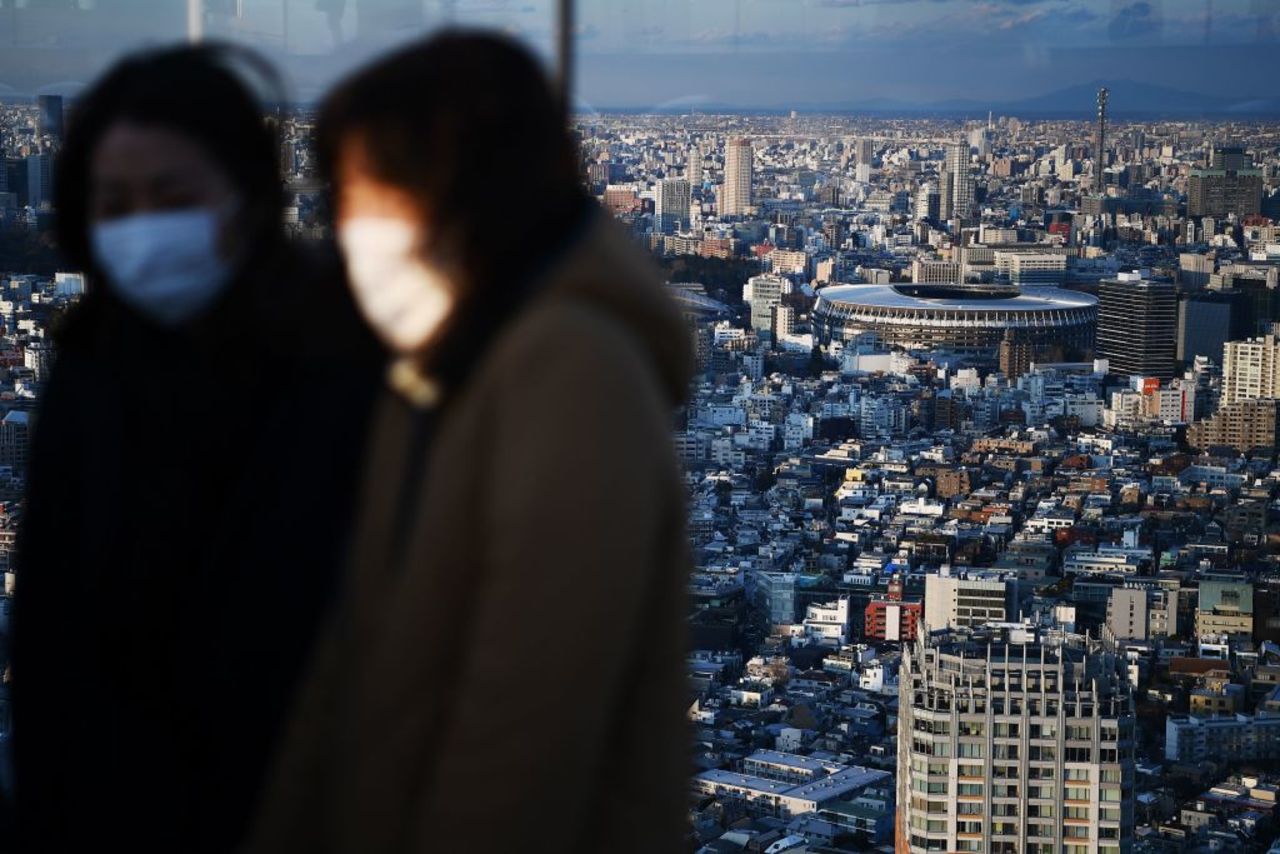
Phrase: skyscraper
(957,166)
(39,180)
(671,205)
(1012,742)
(1138,325)
(694,171)
(1230,185)
(738,170)
(1207,320)
(946,196)
(927,202)
(1251,369)
(49,116)
(765,294)
(866,151)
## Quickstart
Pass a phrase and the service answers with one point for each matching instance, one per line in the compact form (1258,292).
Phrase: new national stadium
(963,319)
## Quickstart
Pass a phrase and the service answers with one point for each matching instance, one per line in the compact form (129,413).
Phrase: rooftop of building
(957,297)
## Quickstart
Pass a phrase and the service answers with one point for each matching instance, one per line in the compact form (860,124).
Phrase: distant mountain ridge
(1128,98)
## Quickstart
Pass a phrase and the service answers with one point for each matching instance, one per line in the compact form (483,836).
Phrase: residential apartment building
(1141,612)
(1007,746)
(891,617)
(739,167)
(1251,369)
(1224,739)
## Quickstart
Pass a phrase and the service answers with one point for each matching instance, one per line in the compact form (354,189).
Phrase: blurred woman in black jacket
(191,471)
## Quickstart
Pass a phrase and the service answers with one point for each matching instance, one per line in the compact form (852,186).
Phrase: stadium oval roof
(944,297)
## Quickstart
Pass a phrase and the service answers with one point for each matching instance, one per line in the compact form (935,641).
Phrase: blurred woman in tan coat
(508,671)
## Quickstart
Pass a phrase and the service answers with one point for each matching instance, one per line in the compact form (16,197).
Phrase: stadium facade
(970,320)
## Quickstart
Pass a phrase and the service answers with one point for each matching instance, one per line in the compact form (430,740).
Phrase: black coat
(185,520)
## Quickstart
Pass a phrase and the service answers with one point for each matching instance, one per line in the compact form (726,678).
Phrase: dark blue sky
(775,54)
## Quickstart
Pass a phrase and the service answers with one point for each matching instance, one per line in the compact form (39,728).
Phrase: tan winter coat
(518,683)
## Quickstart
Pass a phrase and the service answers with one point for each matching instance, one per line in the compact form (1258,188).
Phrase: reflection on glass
(61,44)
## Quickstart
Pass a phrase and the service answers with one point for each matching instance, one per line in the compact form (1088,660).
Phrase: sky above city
(749,54)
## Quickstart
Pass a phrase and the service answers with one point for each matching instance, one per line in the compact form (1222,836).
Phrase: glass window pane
(48,46)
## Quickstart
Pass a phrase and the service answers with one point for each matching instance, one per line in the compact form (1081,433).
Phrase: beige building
(1246,425)
(739,167)
(1014,744)
(1251,369)
(929,271)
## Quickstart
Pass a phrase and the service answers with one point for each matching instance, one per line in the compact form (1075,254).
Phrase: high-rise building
(927,202)
(1232,158)
(49,116)
(1247,426)
(1194,270)
(1230,185)
(1266,609)
(784,321)
(980,141)
(1017,352)
(946,195)
(1010,742)
(15,438)
(1207,320)
(738,170)
(1038,270)
(1251,369)
(1138,325)
(39,180)
(957,166)
(765,294)
(694,171)
(671,205)
(834,232)
(866,151)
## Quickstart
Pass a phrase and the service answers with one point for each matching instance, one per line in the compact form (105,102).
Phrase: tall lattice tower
(1099,156)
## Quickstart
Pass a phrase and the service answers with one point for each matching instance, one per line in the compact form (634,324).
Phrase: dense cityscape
(981,468)
(980,459)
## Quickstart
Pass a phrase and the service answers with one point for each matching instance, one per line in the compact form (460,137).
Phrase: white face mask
(164,265)
(402,297)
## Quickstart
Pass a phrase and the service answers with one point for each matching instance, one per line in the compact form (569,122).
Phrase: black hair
(201,92)
(470,125)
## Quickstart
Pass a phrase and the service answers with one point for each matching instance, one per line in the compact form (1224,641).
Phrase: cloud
(1136,20)
(1046,17)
